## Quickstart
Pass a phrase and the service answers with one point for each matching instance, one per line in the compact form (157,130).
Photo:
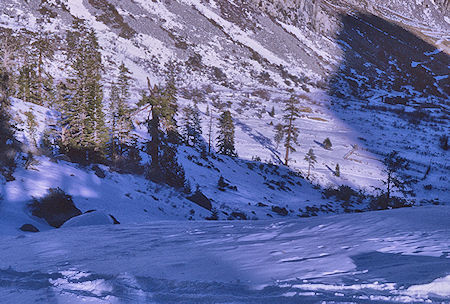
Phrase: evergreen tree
(43,48)
(225,140)
(120,122)
(327,143)
(191,129)
(210,128)
(394,165)
(8,145)
(31,126)
(337,171)
(289,131)
(161,126)
(84,120)
(279,134)
(27,84)
(310,157)
(272,112)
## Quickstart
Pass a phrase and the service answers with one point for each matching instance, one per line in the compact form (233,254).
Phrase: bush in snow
(327,143)
(56,207)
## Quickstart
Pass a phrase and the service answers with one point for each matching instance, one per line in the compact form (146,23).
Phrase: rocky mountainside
(371,75)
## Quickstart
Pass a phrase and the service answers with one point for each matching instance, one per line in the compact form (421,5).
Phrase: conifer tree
(191,130)
(210,128)
(337,171)
(289,131)
(161,126)
(8,146)
(120,122)
(310,157)
(31,126)
(225,140)
(43,48)
(279,134)
(86,134)
(327,143)
(394,165)
(27,84)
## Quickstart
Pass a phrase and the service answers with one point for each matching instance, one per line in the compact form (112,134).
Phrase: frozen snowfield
(396,256)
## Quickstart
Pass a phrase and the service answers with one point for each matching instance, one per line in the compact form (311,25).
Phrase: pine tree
(43,48)
(120,122)
(279,134)
(310,157)
(31,126)
(84,120)
(161,126)
(191,130)
(327,143)
(210,128)
(27,84)
(337,171)
(290,132)
(272,112)
(8,146)
(225,140)
(394,165)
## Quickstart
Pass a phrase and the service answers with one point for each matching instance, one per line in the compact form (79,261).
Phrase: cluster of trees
(87,131)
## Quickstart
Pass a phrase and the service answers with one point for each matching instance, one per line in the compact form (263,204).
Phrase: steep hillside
(372,76)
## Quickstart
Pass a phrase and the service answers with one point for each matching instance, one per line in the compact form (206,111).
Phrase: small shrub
(327,143)
(337,171)
(56,207)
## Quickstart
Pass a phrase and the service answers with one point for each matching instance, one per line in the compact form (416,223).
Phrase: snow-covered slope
(371,83)
(395,256)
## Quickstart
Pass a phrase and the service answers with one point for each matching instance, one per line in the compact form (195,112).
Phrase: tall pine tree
(225,140)
(289,131)
(84,120)
(120,122)
(191,129)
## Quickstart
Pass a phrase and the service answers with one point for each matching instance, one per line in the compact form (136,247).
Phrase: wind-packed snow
(396,256)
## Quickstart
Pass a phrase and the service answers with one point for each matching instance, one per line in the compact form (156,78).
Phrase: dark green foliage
(395,179)
(172,172)
(327,143)
(279,134)
(310,157)
(288,130)
(56,207)
(342,193)
(8,144)
(191,129)
(161,125)
(31,125)
(272,112)
(337,171)
(225,140)
(84,135)
(120,123)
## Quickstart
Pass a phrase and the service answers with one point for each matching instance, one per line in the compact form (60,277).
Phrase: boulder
(89,219)
(98,171)
(280,210)
(200,199)
(29,228)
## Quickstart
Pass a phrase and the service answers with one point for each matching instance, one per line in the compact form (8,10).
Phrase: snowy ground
(396,256)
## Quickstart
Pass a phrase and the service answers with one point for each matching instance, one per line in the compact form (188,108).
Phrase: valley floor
(394,256)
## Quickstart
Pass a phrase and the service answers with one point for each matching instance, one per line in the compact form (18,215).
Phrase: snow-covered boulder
(89,219)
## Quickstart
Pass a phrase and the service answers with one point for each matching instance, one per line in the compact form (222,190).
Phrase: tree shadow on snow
(404,270)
